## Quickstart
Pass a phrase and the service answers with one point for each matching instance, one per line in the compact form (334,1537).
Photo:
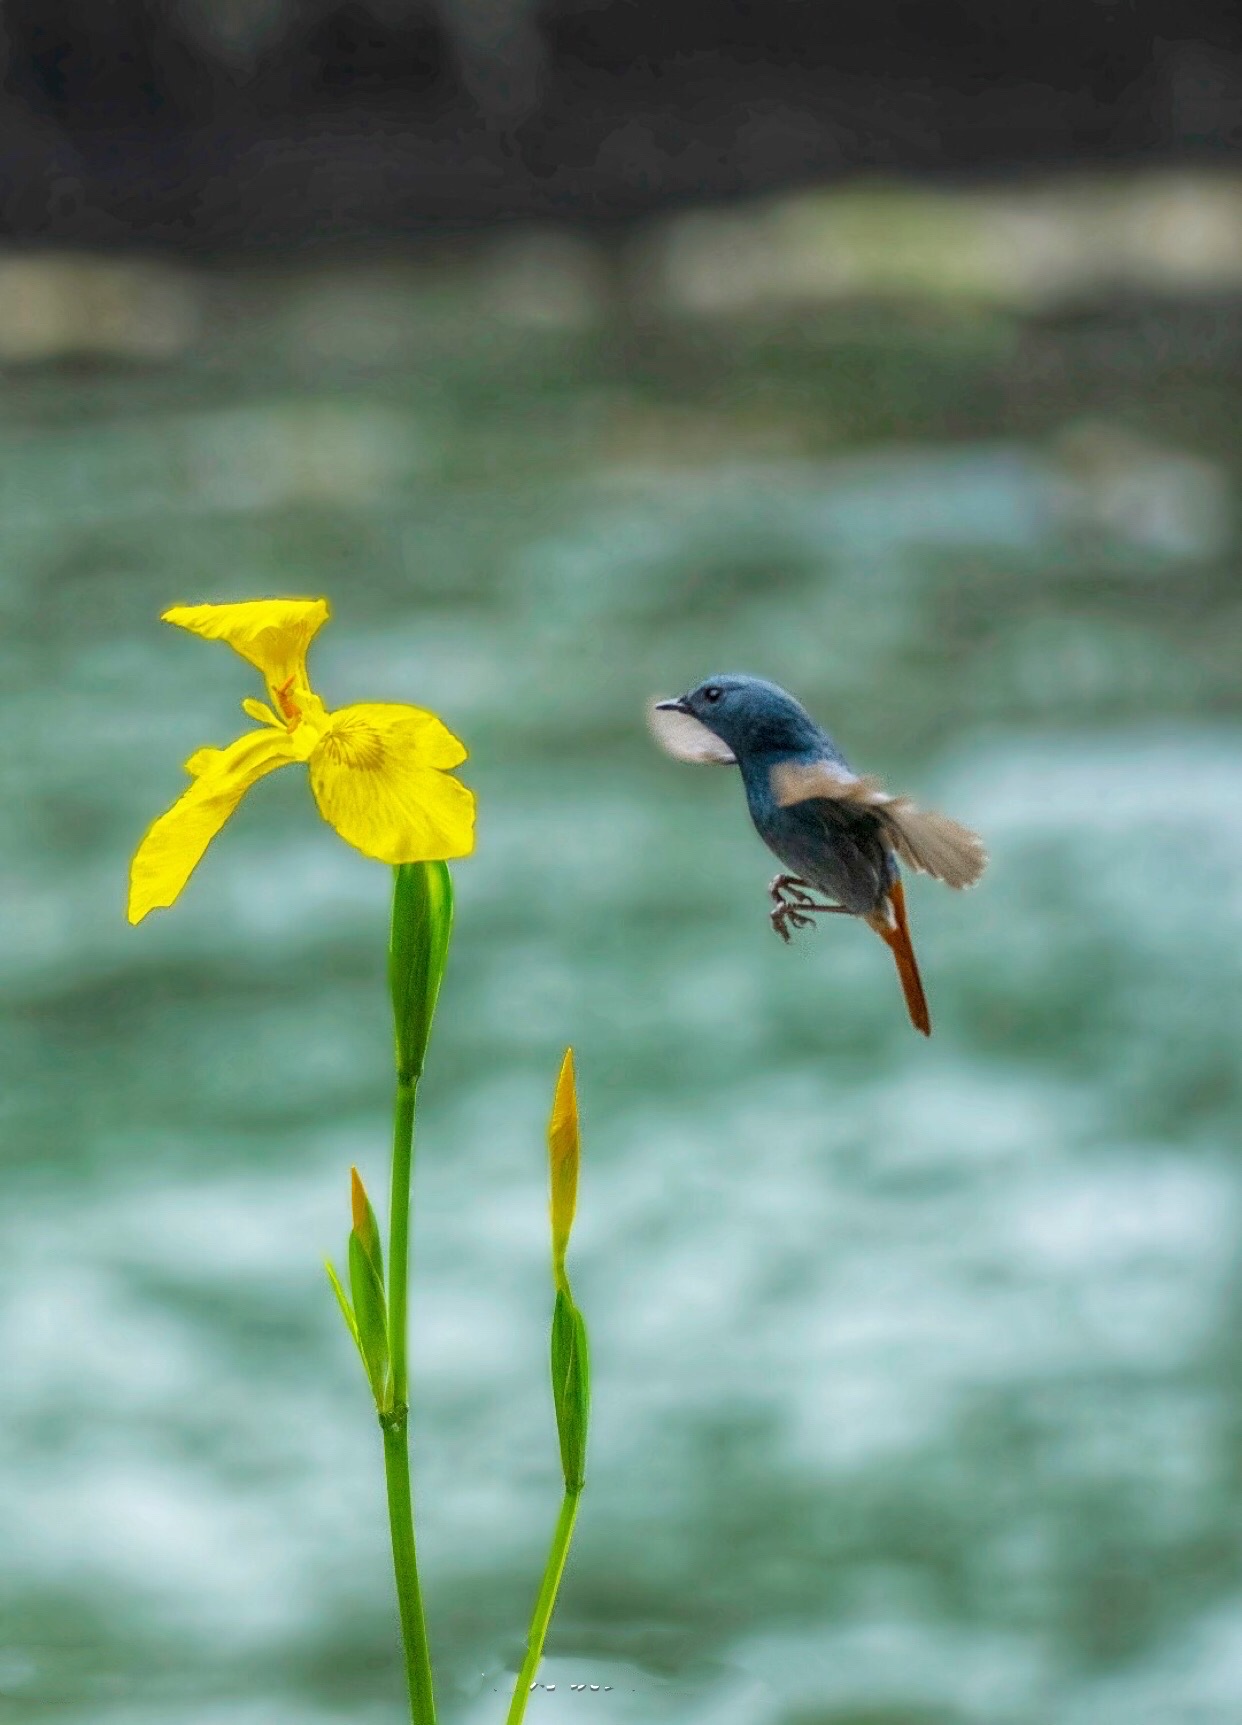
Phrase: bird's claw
(789,889)
(786,917)
(795,906)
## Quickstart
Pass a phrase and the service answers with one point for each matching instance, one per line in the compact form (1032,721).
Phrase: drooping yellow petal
(563,1154)
(273,634)
(202,761)
(377,774)
(174,845)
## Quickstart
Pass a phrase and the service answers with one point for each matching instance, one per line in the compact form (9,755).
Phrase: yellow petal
(563,1152)
(172,848)
(202,761)
(377,776)
(273,634)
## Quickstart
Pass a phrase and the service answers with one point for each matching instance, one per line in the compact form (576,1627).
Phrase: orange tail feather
(897,938)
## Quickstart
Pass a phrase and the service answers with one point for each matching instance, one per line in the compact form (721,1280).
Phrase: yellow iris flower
(379,772)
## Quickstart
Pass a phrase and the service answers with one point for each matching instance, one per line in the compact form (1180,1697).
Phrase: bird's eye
(712,692)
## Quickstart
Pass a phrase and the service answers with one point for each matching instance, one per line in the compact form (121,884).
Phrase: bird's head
(727,718)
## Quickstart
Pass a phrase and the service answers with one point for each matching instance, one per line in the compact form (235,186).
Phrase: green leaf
(347,1311)
(422,923)
(571,1387)
(371,1314)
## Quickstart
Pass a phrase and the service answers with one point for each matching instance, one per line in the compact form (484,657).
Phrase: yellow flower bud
(563,1153)
(365,1226)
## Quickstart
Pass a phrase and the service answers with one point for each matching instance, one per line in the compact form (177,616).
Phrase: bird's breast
(838,847)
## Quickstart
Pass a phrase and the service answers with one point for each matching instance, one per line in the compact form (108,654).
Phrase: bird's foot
(795,907)
(786,917)
(789,889)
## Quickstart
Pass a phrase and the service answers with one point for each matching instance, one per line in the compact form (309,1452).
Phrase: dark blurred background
(204,124)
(575,352)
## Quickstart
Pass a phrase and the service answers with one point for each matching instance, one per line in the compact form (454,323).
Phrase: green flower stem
(399,1235)
(545,1604)
(405,1566)
(395,1420)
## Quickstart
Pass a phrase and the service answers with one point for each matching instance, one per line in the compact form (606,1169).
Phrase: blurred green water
(917,1396)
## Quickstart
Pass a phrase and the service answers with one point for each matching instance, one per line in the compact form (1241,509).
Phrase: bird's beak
(678,704)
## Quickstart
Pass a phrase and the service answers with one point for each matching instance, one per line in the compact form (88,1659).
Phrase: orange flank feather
(896,936)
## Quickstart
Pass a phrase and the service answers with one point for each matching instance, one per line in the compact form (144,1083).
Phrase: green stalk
(405,1567)
(545,1604)
(395,1420)
(422,923)
(399,1235)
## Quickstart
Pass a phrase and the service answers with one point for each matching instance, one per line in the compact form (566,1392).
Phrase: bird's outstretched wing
(928,842)
(682,736)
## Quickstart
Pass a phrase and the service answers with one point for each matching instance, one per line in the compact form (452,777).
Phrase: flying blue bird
(835,832)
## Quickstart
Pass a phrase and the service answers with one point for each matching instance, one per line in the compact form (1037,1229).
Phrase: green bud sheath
(370,1316)
(571,1388)
(422,922)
